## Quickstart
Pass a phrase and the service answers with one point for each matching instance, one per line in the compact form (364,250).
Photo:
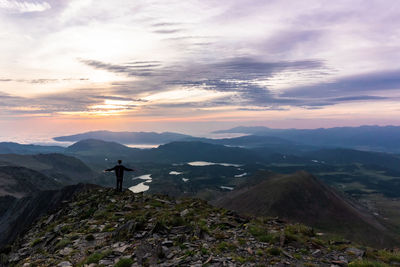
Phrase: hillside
(65,169)
(374,138)
(100,227)
(15,148)
(126,137)
(19,181)
(346,156)
(196,151)
(300,197)
(175,152)
(16,215)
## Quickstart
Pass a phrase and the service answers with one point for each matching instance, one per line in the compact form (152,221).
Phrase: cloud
(375,82)
(167,31)
(359,98)
(140,68)
(24,6)
(255,55)
(43,81)
(237,76)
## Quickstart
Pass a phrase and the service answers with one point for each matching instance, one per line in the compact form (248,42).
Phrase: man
(119,173)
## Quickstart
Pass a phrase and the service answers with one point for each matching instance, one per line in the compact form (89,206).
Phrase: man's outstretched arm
(108,170)
(128,169)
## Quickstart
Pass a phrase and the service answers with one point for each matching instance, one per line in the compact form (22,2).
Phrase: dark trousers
(119,184)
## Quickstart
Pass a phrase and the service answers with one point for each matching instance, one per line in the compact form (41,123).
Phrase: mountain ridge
(98,226)
(126,137)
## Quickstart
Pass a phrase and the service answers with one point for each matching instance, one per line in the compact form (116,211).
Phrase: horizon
(196,67)
(48,139)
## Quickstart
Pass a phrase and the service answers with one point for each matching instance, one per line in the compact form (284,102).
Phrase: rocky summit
(100,227)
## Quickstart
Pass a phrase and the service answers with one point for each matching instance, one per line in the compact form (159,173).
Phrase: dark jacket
(119,170)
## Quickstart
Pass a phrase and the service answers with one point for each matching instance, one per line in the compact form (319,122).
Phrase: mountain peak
(300,197)
(102,227)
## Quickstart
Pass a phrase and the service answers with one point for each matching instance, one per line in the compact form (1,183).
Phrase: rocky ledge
(100,227)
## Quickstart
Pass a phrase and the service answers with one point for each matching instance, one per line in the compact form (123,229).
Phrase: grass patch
(94,258)
(223,246)
(125,262)
(262,235)
(35,242)
(274,251)
(63,243)
(240,259)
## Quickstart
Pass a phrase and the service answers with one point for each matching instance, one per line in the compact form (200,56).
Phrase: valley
(213,169)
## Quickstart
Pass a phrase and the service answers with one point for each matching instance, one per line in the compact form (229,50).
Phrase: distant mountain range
(374,138)
(150,138)
(174,152)
(15,148)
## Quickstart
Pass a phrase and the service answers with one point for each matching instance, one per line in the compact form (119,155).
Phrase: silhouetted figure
(119,173)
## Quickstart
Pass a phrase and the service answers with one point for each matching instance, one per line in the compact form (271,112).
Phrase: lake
(142,187)
(206,163)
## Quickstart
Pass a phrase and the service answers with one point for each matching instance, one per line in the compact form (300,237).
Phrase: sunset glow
(139,64)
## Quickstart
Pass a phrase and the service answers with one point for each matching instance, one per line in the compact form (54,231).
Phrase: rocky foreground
(102,228)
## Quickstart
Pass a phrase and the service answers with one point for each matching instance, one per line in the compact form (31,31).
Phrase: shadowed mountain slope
(301,197)
(65,169)
(21,213)
(19,181)
(15,148)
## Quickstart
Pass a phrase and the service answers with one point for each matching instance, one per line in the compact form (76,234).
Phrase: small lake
(175,173)
(206,163)
(142,187)
(227,188)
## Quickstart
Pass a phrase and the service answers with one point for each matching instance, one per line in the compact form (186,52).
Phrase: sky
(196,66)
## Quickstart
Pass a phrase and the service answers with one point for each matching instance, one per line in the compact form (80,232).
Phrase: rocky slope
(99,227)
(17,215)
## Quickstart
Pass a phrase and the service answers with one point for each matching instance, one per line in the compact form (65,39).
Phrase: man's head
(119,161)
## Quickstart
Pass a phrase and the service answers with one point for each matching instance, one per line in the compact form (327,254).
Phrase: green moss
(223,246)
(259,252)
(101,215)
(35,242)
(63,243)
(66,229)
(262,234)
(240,259)
(388,256)
(94,258)
(297,256)
(274,251)
(204,251)
(299,229)
(242,241)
